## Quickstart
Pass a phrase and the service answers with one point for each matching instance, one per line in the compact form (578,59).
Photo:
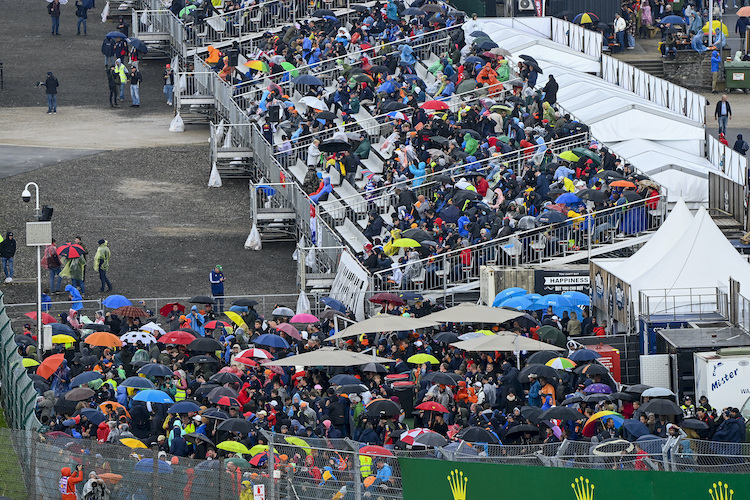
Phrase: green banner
(443,480)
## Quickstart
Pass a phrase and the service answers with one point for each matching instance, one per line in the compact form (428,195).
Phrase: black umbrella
(624,396)
(488,45)
(694,423)
(220,392)
(136,364)
(197,436)
(236,425)
(190,331)
(532,413)
(442,378)
(478,34)
(591,369)
(514,98)
(24,340)
(326,115)
(215,413)
(351,388)
(520,429)
(343,378)
(597,397)
(205,344)
(360,8)
(334,146)
(661,407)
(86,377)
(572,400)
(65,406)
(201,359)
(383,406)
(363,78)
(394,106)
(528,59)
(225,378)
(138,45)
(430,439)
(551,217)
(416,234)
(137,383)
(471,131)
(561,413)
(41,387)
(637,388)
(374,368)
(245,302)
(205,389)
(155,370)
(323,13)
(631,196)
(97,327)
(446,337)
(379,68)
(478,435)
(411,11)
(201,299)
(541,357)
(439,139)
(431,7)
(610,175)
(539,369)
(595,195)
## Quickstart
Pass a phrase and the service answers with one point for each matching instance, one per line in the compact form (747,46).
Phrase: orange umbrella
(114,405)
(47,319)
(623,184)
(49,365)
(110,478)
(103,339)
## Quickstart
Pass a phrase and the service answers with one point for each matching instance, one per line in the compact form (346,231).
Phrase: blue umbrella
(553,300)
(239,309)
(266,190)
(155,370)
(584,355)
(138,45)
(115,34)
(115,301)
(334,304)
(578,298)
(568,199)
(153,396)
(85,378)
(477,34)
(147,465)
(95,416)
(507,293)
(138,383)
(474,60)
(652,445)
(636,428)
(518,303)
(308,80)
(183,407)
(61,329)
(533,296)
(272,341)
(673,20)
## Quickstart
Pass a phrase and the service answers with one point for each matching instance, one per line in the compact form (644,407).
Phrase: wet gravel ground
(165,227)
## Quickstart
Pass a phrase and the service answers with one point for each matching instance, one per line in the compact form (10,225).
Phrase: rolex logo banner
(444,480)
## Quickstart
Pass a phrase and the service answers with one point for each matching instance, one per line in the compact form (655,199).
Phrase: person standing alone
(82,13)
(101,264)
(723,114)
(7,252)
(168,83)
(113,79)
(217,285)
(54,12)
(51,85)
(135,87)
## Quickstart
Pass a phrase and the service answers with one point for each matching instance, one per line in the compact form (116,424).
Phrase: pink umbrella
(290,330)
(304,318)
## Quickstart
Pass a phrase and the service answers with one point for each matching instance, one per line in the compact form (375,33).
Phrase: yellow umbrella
(28,362)
(406,243)
(568,156)
(716,24)
(237,319)
(132,443)
(299,442)
(233,446)
(258,448)
(420,358)
(486,332)
(257,65)
(62,339)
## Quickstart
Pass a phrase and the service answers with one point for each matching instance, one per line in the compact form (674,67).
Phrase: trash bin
(405,393)
(737,75)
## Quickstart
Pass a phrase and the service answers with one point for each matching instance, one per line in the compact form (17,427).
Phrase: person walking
(216,277)
(169,83)
(54,12)
(82,13)
(7,253)
(113,79)
(51,85)
(101,264)
(123,74)
(715,66)
(108,49)
(135,87)
(723,114)
(51,262)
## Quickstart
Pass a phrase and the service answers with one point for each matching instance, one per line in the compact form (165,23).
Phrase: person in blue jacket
(535,399)
(216,278)
(419,173)
(715,63)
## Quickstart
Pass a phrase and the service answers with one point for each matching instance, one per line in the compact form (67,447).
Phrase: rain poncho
(720,39)
(74,268)
(101,259)
(392,10)
(697,43)
(407,55)
(503,72)
(73,291)
(419,172)
(470,144)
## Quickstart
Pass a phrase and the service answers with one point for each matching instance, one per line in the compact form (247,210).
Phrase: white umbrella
(283,311)
(328,356)
(313,102)
(657,392)
(504,341)
(135,337)
(472,313)
(383,323)
(278,59)
(152,328)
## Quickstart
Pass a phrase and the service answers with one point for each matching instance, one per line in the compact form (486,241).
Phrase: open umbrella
(586,18)
(184,407)
(477,435)
(374,368)
(114,34)
(391,298)
(197,436)
(202,299)
(271,340)
(133,338)
(61,338)
(49,365)
(225,378)
(598,389)
(85,378)
(406,243)
(308,80)
(103,339)
(655,392)
(79,394)
(716,24)
(255,352)
(137,383)
(661,407)
(233,446)
(46,318)
(589,428)
(583,355)
(382,406)
(133,443)
(343,378)
(592,369)
(552,335)
(561,413)
(304,318)
(312,102)
(177,338)
(146,465)
(131,312)
(561,363)
(541,357)
(93,415)
(635,427)
(540,370)
(333,147)
(71,250)
(155,370)
(445,338)
(522,429)
(236,425)
(205,344)
(30,363)
(443,378)
(115,301)
(420,358)
(431,406)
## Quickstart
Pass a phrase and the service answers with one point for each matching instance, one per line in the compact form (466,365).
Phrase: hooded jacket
(101,258)
(8,246)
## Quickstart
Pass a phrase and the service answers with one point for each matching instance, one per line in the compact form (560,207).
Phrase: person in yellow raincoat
(247,491)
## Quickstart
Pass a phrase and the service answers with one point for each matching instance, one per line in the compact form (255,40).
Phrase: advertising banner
(575,280)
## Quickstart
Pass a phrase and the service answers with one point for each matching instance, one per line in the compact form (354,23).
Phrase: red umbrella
(164,311)
(435,105)
(46,318)
(262,458)
(256,353)
(227,401)
(304,318)
(49,365)
(211,325)
(432,406)
(176,337)
(290,330)
(130,312)
(375,451)
(245,361)
(70,250)
(382,297)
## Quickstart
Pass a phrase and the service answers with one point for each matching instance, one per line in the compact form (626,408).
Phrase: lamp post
(37,234)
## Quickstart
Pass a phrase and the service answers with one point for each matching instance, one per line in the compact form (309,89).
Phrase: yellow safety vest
(365,465)
(180,395)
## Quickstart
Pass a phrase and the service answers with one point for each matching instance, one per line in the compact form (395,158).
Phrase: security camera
(26,195)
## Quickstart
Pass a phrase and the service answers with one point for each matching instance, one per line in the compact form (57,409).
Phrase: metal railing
(533,246)
(701,303)
(159,22)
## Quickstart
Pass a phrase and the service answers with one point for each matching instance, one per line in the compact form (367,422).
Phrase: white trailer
(723,377)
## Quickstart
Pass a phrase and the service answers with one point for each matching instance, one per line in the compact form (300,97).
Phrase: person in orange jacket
(465,394)
(68,482)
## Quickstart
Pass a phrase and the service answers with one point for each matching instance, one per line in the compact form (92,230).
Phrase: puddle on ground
(141,189)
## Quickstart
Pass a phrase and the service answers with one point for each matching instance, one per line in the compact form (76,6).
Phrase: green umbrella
(501,107)
(291,68)
(504,138)
(239,462)
(588,154)
(187,10)
(552,335)
(466,86)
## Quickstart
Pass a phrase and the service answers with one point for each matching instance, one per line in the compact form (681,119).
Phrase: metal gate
(728,196)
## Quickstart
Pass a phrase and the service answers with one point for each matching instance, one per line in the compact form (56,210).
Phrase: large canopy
(472,313)
(383,323)
(329,356)
(504,341)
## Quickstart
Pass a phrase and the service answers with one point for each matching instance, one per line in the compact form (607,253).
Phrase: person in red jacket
(68,482)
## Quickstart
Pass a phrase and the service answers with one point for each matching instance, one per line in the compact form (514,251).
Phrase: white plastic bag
(214,180)
(303,303)
(182,83)
(310,259)
(174,63)
(253,240)
(177,124)
(219,134)
(301,244)
(228,139)
(144,19)
(105,13)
